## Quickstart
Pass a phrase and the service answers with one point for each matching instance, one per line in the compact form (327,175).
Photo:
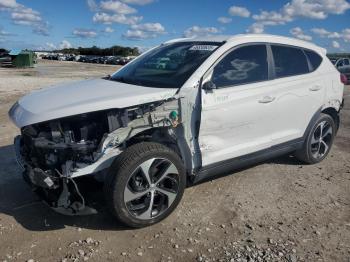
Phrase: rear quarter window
(289,61)
(314,58)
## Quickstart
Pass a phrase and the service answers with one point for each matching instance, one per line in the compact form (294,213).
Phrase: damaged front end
(56,153)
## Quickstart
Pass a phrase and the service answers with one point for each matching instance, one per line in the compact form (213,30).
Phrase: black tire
(306,154)
(124,167)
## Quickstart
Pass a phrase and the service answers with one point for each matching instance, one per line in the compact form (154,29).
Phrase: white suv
(212,105)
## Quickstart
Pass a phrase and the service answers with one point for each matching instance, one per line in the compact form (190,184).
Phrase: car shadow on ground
(18,201)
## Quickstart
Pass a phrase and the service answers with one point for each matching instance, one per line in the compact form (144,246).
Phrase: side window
(340,63)
(346,62)
(314,59)
(247,64)
(289,61)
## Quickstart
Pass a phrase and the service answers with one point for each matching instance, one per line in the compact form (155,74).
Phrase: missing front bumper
(62,194)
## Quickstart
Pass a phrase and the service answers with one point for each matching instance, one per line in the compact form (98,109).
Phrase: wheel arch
(332,112)
(168,137)
(158,134)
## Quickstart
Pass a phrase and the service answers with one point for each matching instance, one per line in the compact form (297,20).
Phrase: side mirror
(209,85)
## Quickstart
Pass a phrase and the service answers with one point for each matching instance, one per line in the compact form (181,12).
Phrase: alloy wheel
(321,139)
(151,188)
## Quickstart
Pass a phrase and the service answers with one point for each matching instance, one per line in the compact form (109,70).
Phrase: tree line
(94,50)
(339,55)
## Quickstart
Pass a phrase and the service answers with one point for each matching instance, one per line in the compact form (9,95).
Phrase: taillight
(343,79)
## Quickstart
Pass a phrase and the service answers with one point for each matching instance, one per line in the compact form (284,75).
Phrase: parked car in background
(112,60)
(82,58)
(5,60)
(109,60)
(343,66)
(62,58)
(70,57)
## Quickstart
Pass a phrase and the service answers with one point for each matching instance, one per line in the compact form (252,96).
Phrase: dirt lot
(280,210)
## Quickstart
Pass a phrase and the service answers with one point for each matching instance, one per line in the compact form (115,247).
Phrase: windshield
(167,66)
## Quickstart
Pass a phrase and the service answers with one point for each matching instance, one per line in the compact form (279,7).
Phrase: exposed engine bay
(55,153)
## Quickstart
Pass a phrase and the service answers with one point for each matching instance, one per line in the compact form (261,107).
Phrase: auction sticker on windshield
(203,47)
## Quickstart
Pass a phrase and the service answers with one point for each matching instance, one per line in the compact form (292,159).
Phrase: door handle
(266,99)
(315,88)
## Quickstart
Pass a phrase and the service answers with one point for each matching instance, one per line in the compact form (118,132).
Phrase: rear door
(298,90)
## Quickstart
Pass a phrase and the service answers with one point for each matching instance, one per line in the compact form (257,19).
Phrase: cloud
(321,32)
(335,44)
(108,30)
(224,20)
(315,9)
(272,18)
(143,49)
(8,4)
(344,34)
(113,11)
(138,2)
(84,33)
(92,5)
(65,44)
(311,9)
(144,31)
(117,7)
(334,35)
(22,15)
(3,33)
(137,35)
(50,46)
(297,32)
(195,31)
(256,28)
(149,27)
(42,29)
(116,18)
(239,11)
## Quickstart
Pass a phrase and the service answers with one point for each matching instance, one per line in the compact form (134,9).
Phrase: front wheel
(145,184)
(318,141)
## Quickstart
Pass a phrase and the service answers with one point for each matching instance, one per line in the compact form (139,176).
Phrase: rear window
(289,61)
(314,59)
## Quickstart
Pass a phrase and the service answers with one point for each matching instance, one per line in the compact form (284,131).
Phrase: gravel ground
(279,210)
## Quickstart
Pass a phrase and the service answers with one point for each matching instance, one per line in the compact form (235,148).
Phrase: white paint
(234,122)
(82,97)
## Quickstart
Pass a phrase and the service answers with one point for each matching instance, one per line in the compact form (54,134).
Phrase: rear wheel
(145,184)
(319,141)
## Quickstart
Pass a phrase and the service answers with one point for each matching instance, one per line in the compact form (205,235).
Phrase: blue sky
(49,24)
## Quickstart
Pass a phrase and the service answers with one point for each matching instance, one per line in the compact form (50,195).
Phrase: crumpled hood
(82,97)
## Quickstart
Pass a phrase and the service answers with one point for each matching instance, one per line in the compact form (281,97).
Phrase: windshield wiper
(127,81)
(119,79)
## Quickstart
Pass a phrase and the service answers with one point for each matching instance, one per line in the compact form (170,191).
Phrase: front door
(235,113)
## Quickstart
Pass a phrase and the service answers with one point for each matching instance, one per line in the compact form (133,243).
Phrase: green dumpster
(24,59)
